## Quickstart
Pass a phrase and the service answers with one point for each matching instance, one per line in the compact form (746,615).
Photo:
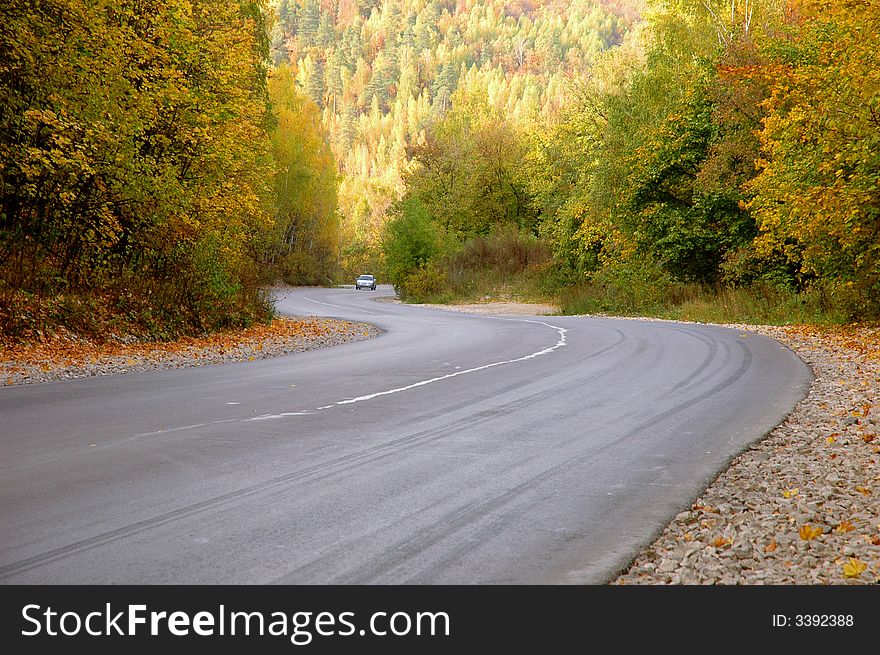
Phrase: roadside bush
(409,242)
(424,284)
(636,287)
(505,250)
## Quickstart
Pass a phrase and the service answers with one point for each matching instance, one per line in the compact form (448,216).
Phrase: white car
(365,282)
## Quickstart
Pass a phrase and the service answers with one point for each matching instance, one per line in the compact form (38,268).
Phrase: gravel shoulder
(802,506)
(65,356)
(492,308)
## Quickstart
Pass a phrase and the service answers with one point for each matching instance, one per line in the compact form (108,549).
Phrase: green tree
(410,241)
(469,173)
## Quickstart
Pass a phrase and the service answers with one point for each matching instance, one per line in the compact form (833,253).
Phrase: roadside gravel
(501,308)
(66,356)
(802,506)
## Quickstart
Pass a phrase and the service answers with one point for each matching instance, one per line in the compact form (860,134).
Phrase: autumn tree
(134,156)
(817,197)
(304,244)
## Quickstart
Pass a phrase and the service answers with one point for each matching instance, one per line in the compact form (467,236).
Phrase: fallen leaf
(844,527)
(721,542)
(854,568)
(769,548)
(688,536)
(809,532)
(865,491)
(831,440)
(790,493)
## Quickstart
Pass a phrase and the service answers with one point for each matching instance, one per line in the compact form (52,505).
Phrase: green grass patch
(760,304)
(482,285)
(504,266)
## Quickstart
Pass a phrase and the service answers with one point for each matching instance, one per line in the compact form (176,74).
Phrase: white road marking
(350,401)
(194,426)
(349,308)
(327,304)
(546,351)
(267,417)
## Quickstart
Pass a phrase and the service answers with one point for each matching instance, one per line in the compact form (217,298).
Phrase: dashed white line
(269,417)
(327,304)
(559,344)
(421,383)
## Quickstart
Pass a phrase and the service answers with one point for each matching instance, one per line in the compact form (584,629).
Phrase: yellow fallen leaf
(845,526)
(864,491)
(854,568)
(790,493)
(809,532)
(769,548)
(831,440)
(688,536)
(721,542)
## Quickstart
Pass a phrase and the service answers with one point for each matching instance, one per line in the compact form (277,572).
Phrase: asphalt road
(451,449)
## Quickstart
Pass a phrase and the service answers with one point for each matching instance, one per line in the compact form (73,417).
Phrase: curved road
(451,449)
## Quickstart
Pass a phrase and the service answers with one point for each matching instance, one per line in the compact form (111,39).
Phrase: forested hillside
(725,152)
(161,161)
(383,73)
